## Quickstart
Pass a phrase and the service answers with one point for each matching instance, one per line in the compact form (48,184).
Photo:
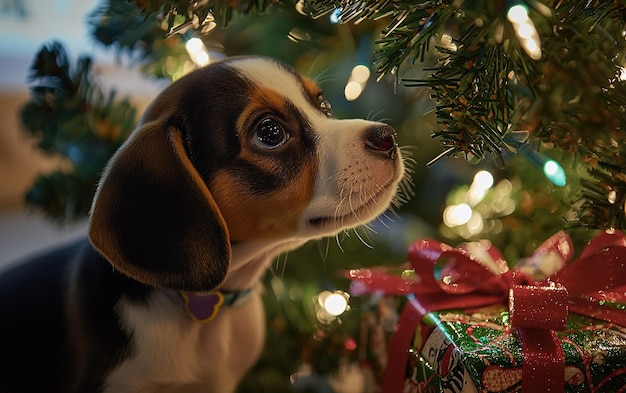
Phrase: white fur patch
(272,76)
(171,353)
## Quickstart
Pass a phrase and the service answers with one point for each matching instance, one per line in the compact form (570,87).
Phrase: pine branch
(602,201)
(72,118)
(489,89)
(152,33)
(139,35)
(124,25)
(181,15)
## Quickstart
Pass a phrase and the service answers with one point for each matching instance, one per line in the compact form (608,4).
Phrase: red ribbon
(471,276)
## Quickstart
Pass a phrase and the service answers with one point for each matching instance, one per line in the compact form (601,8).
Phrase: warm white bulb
(201,58)
(197,51)
(475,224)
(517,14)
(360,73)
(335,304)
(483,180)
(353,90)
(194,45)
(532,48)
(525,30)
(455,215)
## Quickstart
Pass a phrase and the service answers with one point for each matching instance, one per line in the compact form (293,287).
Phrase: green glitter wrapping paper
(477,352)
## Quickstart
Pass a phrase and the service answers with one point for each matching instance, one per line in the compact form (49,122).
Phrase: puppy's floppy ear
(154,218)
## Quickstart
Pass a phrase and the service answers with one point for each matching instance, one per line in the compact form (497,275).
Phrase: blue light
(555,173)
(551,168)
(335,16)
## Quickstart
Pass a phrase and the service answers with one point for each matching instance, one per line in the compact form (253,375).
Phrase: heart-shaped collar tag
(202,306)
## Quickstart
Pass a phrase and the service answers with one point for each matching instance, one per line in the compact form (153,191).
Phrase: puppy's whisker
(277,267)
(350,204)
(406,187)
(383,218)
(358,235)
(282,272)
(323,250)
(325,79)
(339,242)
(370,229)
(362,194)
(332,178)
(323,76)
(374,116)
(340,205)
(370,233)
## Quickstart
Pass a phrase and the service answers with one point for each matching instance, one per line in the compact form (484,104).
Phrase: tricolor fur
(230,166)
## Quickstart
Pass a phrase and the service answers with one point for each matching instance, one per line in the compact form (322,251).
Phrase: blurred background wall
(24,26)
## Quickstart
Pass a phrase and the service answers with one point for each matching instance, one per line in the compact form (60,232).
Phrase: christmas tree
(531,91)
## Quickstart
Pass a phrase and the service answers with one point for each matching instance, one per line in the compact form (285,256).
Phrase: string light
(517,14)
(554,172)
(476,224)
(331,305)
(335,304)
(197,51)
(463,214)
(551,168)
(469,216)
(335,16)
(456,215)
(447,42)
(525,30)
(356,82)
(483,180)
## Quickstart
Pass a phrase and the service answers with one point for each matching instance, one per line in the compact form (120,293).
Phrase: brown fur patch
(249,216)
(311,88)
(261,101)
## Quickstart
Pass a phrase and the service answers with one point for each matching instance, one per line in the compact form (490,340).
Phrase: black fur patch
(208,117)
(158,227)
(36,339)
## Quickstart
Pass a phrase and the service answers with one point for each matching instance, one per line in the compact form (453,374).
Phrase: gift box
(477,352)
(471,324)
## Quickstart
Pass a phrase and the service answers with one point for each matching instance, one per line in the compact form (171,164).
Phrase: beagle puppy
(229,167)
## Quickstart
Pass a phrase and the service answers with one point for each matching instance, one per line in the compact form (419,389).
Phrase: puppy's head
(241,150)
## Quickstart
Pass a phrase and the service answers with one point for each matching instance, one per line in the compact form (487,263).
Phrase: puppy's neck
(251,259)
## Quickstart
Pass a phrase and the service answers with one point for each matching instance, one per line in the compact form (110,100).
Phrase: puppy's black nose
(381,139)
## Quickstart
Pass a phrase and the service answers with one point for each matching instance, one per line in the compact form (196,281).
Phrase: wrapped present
(471,324)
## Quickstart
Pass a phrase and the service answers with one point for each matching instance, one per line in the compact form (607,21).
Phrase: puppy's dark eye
(270,135)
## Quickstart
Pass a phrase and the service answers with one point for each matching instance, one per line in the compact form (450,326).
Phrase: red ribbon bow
(471,276)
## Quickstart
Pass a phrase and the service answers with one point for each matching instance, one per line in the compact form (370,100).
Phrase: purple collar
(202,307)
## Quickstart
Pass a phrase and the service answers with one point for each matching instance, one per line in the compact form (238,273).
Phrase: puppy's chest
(171,353)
